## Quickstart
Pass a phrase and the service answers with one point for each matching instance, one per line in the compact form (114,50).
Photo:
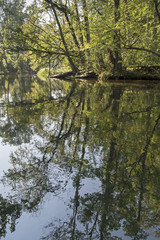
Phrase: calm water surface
(79,160)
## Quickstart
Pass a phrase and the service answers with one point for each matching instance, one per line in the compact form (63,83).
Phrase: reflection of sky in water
(31,226)
(5,151)
(57,205)
(54,206)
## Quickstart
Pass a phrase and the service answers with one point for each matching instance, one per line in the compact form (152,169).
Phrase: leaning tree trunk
(75,39)
(73,67)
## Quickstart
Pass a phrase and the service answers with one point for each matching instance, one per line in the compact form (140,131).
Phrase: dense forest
(105,37)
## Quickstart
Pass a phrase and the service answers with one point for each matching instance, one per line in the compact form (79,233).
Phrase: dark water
(79,161)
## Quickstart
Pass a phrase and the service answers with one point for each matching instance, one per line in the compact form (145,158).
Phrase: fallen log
(62,75)
(87,75)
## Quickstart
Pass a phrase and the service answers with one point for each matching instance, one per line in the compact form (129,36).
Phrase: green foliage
(88,35)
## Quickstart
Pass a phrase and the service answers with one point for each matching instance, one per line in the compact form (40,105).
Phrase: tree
(12,16)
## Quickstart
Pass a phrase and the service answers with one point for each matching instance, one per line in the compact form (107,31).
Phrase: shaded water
(79,161)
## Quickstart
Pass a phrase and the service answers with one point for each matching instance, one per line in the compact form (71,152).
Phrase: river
(79,160)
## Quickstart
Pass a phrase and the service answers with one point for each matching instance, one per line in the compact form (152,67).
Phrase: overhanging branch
(143,49)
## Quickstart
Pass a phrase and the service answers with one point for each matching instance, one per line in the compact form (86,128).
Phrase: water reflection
(100,137)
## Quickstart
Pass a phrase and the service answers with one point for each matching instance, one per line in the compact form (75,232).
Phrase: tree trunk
(78,23)
(156,3)
(86,21)
(73,67)
(115,54)
(81,55)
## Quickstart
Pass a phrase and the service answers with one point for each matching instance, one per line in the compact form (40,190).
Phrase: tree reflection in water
(90,133)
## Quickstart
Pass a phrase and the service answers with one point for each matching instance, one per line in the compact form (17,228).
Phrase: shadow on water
(77,135)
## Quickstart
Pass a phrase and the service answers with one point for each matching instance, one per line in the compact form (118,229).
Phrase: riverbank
(131,73)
